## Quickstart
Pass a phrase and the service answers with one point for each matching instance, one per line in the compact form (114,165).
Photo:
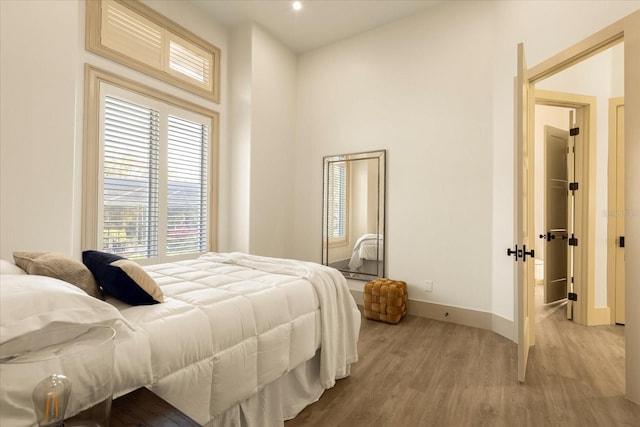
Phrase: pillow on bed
(7,267)
(122,278)
(58,266)
(32,303)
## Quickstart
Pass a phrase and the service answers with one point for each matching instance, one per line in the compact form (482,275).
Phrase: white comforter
(230,325)
(233,323)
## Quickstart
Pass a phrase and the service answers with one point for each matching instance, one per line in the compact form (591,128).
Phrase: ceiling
(320,22)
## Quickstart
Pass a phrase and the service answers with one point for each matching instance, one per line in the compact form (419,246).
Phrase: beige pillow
(141,278)
(61,267)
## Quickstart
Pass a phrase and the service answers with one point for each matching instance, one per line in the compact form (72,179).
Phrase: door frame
(585,311)
(627,29)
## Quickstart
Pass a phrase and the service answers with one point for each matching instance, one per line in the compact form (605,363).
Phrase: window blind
(130,179)
(155,178)
(189,61)
(131,34)
(187,187)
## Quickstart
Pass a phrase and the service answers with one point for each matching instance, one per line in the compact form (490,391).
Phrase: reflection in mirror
(353,218)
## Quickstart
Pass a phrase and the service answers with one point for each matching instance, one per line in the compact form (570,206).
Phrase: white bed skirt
(278,401)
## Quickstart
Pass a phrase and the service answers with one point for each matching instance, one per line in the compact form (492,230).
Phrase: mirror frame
(381,216)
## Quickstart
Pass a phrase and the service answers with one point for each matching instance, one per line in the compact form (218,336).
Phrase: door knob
(548,236)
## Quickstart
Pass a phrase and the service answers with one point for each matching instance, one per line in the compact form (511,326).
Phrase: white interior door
(524,220)
(555,217)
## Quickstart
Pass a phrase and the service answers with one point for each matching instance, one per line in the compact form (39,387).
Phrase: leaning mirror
(353,214)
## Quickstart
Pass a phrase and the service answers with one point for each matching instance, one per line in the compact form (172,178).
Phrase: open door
(555,194)
(617,211)
(572,211)
(524,220)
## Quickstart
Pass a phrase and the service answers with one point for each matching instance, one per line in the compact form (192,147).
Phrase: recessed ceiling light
(297,5)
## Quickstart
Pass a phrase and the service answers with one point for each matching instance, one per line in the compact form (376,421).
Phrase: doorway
(627,28)
(525,83)
(585,87)
(575,115)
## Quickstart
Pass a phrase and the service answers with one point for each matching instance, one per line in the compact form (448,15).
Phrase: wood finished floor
(424,372)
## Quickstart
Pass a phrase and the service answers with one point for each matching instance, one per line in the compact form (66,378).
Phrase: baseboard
(458,315)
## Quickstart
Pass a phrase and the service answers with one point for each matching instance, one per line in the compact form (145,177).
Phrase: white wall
(273,117)
(400,88)
(38,74)
(42,84)
(262,134)
(239,69)
(436,90)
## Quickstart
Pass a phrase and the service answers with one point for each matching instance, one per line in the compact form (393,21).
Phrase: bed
(369,247)
(239,340)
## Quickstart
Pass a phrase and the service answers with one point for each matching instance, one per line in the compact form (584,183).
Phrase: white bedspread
(340,320)
(231,326)
(233,323)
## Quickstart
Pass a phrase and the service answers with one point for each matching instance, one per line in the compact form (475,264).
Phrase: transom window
(135,35)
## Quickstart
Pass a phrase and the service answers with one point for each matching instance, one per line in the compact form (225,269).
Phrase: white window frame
(97,84)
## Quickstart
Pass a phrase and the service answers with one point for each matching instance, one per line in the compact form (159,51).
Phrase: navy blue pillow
(122,278)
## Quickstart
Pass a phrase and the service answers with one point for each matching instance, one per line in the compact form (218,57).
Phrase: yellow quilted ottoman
(385,300)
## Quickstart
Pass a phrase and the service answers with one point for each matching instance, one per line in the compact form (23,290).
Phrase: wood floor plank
(423,372)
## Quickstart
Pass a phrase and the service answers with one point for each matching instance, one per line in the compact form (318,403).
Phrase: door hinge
(573,241)
(574,131)
(573,186)
(572,296)
(622,241)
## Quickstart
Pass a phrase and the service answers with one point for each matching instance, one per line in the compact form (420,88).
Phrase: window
(338,202)
(135,35)
(149,170)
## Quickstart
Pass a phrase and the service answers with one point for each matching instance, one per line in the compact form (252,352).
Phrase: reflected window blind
(130,179)
(187,187)
(337,200)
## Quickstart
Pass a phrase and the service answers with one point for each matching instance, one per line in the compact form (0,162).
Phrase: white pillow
(7,267)
(30,303)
